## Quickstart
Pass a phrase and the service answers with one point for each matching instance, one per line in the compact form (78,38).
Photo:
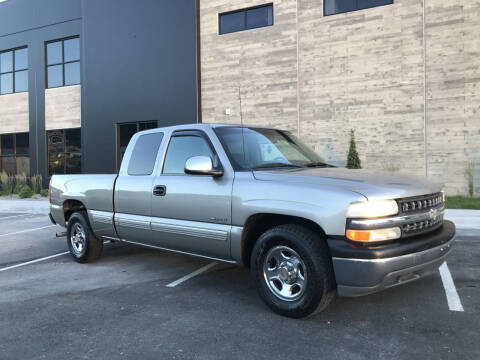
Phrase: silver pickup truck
(260,198)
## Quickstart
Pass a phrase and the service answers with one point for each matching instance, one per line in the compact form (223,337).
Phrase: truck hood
(373,185)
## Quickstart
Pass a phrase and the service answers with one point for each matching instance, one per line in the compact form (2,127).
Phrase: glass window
(6,62)
(72,73)
(21,59)
(6,83)
(22,141)
(72,49)
(125,133)
(250,18)
(63,62)
(21,81)
(64,151)
(73,140)
(54,53)
(182,148)
(14,155)
(332,7)
(259,17)
(8,145)
(232,22)
(144,154)
(55,76)
(266,148)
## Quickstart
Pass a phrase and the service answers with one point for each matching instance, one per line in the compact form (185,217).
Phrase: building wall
(137,64)
(365,70)
(14,113)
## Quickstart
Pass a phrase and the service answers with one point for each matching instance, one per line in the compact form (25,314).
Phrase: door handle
(160,190)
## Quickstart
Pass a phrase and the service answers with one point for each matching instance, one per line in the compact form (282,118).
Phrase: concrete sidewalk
(463,219)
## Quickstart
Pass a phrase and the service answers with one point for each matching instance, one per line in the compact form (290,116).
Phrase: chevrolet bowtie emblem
(433,214)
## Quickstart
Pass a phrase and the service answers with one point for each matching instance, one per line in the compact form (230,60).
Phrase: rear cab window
(144,154)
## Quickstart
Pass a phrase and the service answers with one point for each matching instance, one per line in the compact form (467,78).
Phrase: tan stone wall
(453,91)
(14,113)
(362,70)
(63,107)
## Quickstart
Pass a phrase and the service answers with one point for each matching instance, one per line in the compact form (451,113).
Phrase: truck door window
(181,148)
(144,154)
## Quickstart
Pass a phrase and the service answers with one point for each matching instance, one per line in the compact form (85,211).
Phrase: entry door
(191,213)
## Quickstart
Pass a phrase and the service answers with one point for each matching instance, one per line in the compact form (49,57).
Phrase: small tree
(353,161)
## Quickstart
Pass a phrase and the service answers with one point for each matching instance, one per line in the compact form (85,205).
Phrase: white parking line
(25,231)
(14,216)
(34,261)
(453,300)
(191,275)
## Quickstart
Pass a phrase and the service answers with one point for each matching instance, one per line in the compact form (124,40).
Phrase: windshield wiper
(275,165)
(318,164)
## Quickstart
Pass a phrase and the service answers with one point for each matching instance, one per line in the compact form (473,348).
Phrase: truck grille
(420,203)
(432,205)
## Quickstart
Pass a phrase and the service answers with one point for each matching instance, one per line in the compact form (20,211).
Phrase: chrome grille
(431,205)
(420,203)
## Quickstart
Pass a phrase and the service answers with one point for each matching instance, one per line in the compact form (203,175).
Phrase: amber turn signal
(373,235)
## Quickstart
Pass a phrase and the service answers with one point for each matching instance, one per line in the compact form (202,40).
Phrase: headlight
(367,236)
(443,196)
(371,209)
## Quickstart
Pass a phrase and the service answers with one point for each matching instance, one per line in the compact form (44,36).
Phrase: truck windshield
(257,148)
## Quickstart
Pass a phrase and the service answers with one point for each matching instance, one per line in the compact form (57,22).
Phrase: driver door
(191,213)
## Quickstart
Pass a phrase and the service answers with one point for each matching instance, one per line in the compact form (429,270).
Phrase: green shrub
(25,192)
(20,183)
(44,192)
(7,183)
(353,160)
(469,172)
(37,183)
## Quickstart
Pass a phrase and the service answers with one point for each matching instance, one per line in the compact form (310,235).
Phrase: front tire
(292,270)
(84,246)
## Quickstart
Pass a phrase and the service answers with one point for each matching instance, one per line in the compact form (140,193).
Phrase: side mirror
(201,165)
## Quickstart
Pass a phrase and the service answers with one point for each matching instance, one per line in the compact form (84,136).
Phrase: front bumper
(371,270)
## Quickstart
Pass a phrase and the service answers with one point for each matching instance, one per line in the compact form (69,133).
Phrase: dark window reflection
(246,19)
(332,7)
(259,17)
(64,151)
(63,62)
(14,153)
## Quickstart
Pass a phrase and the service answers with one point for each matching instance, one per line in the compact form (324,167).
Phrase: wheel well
(257,224)
(70,207)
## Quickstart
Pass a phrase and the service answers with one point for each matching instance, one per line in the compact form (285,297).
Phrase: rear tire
(292,270)
(84,246)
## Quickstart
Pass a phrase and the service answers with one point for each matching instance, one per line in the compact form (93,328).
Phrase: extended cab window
(144,154)
(181,148)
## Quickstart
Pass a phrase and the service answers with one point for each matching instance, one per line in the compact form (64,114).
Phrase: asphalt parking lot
(137,303)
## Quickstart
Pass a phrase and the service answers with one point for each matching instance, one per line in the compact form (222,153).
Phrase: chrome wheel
(78,239)
(285,273)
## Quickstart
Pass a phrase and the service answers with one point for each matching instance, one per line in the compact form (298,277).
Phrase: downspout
(425,149)
(298,62)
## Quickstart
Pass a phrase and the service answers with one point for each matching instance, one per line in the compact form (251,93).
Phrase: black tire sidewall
(316,273)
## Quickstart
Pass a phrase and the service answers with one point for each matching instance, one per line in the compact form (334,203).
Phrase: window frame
(63,62)
(245,10)
(189,132)
(356,8)
(13,71)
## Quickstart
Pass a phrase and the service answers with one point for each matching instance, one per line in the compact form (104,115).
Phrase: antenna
(241,122)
